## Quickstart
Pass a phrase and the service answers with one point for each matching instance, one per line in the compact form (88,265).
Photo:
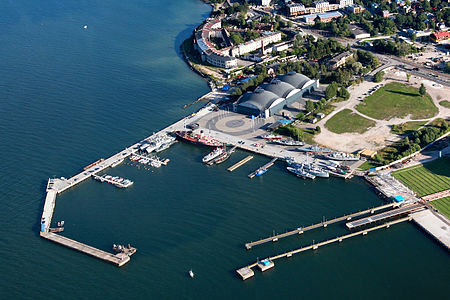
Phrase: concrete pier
(119,259)
(300,230)
(435,225)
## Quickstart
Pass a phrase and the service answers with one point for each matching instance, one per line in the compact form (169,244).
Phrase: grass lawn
(397,100)
(347,121)
(443,206)
(445,103)
(408,127)
(369,165)
(426,179)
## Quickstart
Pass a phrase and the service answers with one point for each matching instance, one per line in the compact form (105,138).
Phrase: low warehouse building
(270,98)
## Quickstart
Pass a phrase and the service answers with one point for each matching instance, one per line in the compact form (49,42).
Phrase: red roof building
(440,36)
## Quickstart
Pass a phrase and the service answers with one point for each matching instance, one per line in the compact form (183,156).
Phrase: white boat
(212,155)
(191,273)
(270,136)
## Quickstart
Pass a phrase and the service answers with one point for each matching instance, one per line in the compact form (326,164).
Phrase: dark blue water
(69,96)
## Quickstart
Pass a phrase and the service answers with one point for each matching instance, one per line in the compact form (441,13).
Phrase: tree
(344,93)
(318,129)
(379,76)
(408,76)
(331,90)
(309,106)
(422,90)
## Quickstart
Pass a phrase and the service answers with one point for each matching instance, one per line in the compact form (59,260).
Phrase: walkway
(435,225)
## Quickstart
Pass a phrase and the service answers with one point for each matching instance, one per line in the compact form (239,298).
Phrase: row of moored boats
(152,161)
(313,170)
(114,180)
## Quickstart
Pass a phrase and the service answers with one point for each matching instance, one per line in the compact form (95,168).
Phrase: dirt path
(380,135)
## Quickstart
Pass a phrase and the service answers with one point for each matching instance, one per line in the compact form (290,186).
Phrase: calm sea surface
(69,96)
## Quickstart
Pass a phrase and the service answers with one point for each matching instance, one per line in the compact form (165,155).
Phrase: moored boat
(271,137)
(221,158)
(289,142)
(314,149)
(212,155)
(260,171)
(198,139)
(342,156)
(300,172)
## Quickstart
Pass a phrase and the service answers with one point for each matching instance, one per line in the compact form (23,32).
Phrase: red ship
(198,139)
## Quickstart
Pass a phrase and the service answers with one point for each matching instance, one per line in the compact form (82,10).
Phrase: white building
(265,2)
(295,9)
(268,38)
(207,50)
(321,5)
(345,3)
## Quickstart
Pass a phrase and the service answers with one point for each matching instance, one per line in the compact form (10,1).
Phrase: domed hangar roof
(294,79)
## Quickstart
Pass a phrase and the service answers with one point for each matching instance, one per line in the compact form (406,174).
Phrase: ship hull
(195,141)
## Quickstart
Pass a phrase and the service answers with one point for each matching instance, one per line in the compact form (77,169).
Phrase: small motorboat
(191,273)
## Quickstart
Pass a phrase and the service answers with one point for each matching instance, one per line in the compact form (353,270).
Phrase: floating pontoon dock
(247,272)
(266,166)
(300,230)
(240,163)
(385,215)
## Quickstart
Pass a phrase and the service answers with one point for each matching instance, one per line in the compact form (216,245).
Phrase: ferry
(314,149)
(212,155)
(198,139)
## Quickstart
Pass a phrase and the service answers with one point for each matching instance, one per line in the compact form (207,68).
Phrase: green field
(347,121)
(426,179)
(443,205)
(445,103)
(397,100)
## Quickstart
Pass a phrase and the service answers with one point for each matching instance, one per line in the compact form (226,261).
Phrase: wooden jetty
(247,272)
(240,163)
(300,230)
(266,166)
(118,259)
